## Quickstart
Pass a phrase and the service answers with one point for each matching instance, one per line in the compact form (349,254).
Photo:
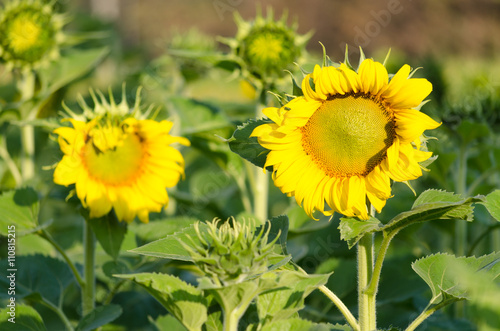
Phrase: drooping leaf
(24,318)
(353,229)
(182,300)
(288,298)
(440,273)
(492,203)
(434,205)
(19,208)
(109,232)
(98,317)
(248,147)
(170,247)
(46,280)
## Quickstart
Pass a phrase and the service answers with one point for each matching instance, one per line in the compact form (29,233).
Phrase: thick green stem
(88,291)
(28,152)
(45,235)
(377,270)
(261,179)
(461,225)
(231,321)
(366,301)
(341,307)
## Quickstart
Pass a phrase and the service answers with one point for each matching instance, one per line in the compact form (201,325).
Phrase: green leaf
(168,322)
(297,324)
(300,222)
(214,321)
(98,317)
(170,247)
(353,229)
(248,147)
(158,229)
(182,300)
(70,67)
(434,205)
(25,319)
(235,298)
(483,292)
(199,117)
(492,203)
(440,273)
(46,280)
(470,131)
(19,208)
(109,233)
(288,298)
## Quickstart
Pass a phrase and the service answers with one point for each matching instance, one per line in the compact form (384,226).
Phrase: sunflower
(347,137)
(30,33)
(118,160)
(265,46)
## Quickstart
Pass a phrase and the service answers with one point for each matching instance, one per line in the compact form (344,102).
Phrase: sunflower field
(256,179)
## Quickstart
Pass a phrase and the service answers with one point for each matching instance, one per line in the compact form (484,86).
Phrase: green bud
(232,252)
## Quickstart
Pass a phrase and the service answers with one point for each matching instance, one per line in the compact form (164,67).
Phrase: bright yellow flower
(347,137)
(121,163)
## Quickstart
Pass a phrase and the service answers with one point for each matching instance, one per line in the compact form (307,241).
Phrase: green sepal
(248,147)
(182,300)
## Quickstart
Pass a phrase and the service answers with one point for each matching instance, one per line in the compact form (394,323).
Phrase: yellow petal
(411,123)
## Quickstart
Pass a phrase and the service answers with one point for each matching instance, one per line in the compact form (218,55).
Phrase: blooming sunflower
(348,135)
(30,33)
(119,160)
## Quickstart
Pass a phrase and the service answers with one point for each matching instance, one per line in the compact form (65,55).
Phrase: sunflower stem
(88,291)
(261,178)
(366,300)
(26,87)
(340,306)
(461,225)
